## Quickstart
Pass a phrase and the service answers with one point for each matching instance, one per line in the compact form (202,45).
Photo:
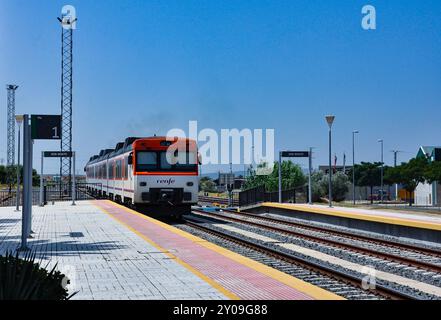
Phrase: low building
(427,194)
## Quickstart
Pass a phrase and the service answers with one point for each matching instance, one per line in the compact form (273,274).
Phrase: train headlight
(143,184)
(190,184)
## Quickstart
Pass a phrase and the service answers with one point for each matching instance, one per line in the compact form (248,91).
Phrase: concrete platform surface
(103,258)
(112,252)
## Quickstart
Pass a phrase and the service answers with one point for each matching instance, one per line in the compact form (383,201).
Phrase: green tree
(317,186)
(409,174)
(207,185)
(433,172)
(2,174)
(11,171)
(35,178)
(340,186)
(292,177)
(368,174)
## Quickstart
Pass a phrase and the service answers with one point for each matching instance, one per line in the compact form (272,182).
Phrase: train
(158,176)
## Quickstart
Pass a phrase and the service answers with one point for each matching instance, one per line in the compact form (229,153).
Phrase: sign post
(294,154)
(57,154)
(30,188)
(26,208)
(41,180)
(19,120)
(42,127)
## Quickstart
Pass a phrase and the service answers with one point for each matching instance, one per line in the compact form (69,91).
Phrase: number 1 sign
(46,127)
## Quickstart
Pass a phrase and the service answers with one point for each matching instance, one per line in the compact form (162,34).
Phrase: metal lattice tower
(67,23)
(10,159)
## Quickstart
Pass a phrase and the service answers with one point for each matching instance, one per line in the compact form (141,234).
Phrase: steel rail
(341,245)
(389,243)
(381,290)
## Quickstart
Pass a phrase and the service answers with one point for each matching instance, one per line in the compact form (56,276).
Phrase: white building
(429,194)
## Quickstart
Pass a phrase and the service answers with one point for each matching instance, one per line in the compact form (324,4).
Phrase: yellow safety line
(210,281)
(300,285)
(358,216)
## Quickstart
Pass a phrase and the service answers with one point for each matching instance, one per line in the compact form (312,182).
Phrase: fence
(259,194)
(224,201)
(51,193)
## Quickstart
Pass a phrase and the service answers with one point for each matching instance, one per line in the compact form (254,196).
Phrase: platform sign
(46,127)
(58,154)
(295,154)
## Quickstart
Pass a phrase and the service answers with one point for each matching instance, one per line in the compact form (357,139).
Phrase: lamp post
(19,121)
(330,120)
(395,152)
(353,165)
(310,178)
(382,169)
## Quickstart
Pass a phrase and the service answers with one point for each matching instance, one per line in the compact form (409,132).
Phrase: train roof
(127,145)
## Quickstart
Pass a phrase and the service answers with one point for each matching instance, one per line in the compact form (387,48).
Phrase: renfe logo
(166,181)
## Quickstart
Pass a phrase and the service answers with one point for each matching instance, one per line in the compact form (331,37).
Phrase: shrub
(340,186)
(318,189)
(24,279)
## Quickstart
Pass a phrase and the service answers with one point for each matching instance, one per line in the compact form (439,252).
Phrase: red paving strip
(246,283)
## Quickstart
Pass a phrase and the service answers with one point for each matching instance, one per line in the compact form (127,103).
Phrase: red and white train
(156,175)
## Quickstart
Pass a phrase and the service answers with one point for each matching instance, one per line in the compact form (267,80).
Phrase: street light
(19,121)
(395,152)
(382,169)
(353,164)
(330,120)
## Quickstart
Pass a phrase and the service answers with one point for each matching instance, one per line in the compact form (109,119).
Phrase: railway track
(405,254)
(341,283)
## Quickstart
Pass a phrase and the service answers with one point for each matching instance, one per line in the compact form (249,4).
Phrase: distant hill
(215,175)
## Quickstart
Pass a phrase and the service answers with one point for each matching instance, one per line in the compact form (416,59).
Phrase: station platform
(416,226)
(112,252)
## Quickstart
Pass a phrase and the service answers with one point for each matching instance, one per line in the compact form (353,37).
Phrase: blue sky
(144,67)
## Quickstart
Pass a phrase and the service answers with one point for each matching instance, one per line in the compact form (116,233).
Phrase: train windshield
(163,161)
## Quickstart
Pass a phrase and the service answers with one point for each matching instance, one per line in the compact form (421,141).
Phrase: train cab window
(146,161)
(158,161)
(179,161)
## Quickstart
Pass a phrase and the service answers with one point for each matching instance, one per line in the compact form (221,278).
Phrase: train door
(130,178)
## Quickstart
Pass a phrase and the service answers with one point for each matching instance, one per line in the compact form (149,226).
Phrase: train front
(166,174)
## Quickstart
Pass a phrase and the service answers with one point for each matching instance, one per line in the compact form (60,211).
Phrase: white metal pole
(396,184)
(382,172)
(41,180)
(353,165)
(26,208)
(330,168)
(310,177)
(73,180)
(280,177)
(30,181)
(17,197)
